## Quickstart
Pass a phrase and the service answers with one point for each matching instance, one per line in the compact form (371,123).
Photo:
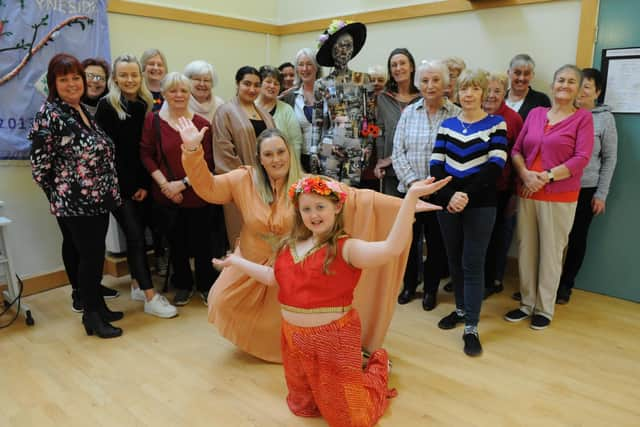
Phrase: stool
(13,290)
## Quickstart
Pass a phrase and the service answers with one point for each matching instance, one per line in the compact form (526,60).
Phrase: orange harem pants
(323,370)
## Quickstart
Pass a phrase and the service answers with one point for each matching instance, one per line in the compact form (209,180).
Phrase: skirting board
(117,267)
(113,266)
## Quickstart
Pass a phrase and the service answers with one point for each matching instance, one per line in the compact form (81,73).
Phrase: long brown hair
(301,232)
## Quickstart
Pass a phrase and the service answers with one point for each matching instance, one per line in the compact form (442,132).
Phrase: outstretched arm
(261,273)
(363,254)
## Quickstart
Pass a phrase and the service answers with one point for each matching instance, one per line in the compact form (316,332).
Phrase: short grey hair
(436,66)
(173,79)
(522,60)
(501,78)
(311,54)
(199,68)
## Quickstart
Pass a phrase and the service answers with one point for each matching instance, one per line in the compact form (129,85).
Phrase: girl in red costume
(317,270)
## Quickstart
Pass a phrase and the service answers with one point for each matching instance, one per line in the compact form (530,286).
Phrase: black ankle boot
(94,324)
(406,296)
(108,315)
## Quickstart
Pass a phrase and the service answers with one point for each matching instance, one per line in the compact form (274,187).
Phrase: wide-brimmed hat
(328,38)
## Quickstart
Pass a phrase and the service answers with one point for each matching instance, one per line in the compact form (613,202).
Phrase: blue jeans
(466,236)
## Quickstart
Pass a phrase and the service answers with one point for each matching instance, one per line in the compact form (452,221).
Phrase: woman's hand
(422,206)
(220,263)
(426,187)
(458,202)
(139,195)
(191,137)
(170,189)
(598,206)
(534,181)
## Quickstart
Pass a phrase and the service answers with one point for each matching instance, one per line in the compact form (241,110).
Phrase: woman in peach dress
(248,313)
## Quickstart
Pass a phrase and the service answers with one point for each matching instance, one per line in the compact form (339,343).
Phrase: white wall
(306,10)
(487,38)
(254,10)
(181,43)
(33,236)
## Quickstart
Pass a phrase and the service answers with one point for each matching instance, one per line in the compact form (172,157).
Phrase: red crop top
(303,284)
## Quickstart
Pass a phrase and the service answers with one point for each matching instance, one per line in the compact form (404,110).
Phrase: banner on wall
(31,33)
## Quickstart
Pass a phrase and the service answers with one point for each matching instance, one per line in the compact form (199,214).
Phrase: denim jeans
(466,237)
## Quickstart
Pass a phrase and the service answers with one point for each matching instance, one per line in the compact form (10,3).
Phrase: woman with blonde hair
(154,68)
(121,114)
(248,313)
(456,66)
(180,212)
(471,148)
(506,202)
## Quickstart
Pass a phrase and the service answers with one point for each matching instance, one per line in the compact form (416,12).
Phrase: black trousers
(190,234)
(577,246)
(83,250)
(497,243)
(129,216)
(435,265)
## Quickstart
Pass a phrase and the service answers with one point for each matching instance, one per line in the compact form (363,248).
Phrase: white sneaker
(137,294)
(159,306)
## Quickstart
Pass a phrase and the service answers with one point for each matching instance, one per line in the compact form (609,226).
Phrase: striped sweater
(474,155)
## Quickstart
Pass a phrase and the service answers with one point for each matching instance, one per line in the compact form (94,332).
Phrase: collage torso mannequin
(344,108)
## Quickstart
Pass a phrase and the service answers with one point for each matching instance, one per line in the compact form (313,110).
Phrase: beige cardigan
(234,140)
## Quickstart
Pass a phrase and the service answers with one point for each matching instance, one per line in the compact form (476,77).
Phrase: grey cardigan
(599,171)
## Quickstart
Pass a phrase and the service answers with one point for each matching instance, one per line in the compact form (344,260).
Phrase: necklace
(465,129)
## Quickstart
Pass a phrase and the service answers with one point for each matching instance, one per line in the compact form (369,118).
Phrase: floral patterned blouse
(73,163)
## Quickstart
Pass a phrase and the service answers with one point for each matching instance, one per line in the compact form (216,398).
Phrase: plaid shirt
(413,142)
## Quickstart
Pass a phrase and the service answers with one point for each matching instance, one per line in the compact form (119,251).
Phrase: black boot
(94,324)
(406,296)
(106,314)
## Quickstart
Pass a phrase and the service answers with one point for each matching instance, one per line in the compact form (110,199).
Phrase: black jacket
(126,135)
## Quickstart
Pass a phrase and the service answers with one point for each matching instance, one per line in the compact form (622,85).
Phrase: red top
(152,158)
(303,284)
(514,126)
(563,196)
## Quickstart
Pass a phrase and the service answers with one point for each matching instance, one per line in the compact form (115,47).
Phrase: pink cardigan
(568,142)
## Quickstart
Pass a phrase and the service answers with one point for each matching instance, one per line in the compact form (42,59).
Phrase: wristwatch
(186,182)
(550,175)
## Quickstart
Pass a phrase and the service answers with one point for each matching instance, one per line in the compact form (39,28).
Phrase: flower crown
(317,185)
(336,24)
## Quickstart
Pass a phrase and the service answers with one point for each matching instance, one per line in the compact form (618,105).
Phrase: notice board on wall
(621,72)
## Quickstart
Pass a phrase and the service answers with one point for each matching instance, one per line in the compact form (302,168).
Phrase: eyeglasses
(95,77)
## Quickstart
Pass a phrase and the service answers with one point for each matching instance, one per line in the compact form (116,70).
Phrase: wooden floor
(582,371)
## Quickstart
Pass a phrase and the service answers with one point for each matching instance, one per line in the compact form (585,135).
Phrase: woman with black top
(72,160)
(121,115)
(154,68)
(96,71)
